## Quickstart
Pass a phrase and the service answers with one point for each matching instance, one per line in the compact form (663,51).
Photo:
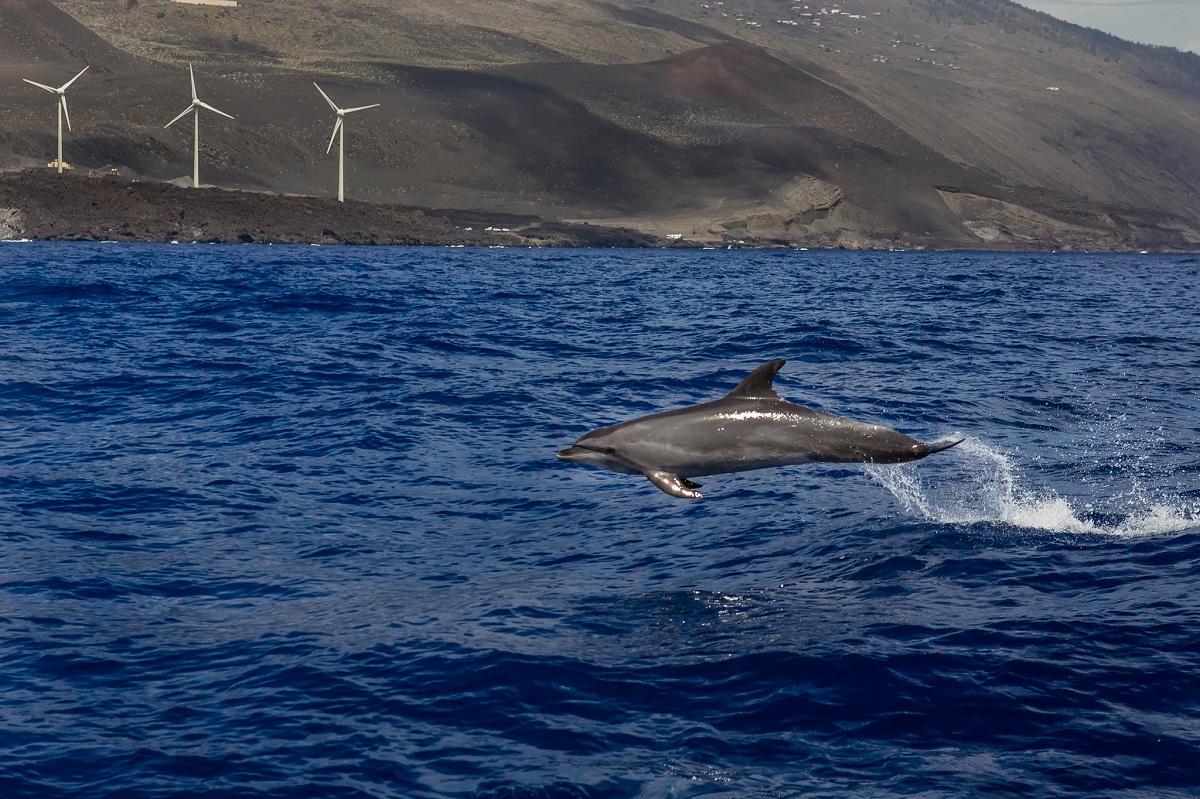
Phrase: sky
(1175,23)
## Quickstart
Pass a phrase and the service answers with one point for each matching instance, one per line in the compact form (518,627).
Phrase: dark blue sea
(287,522)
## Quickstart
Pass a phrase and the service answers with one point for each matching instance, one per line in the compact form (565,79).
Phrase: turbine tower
(61,91)
(195,107)
(339,133)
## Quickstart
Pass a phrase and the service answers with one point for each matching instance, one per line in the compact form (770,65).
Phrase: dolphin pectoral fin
(674,485)
(669,482)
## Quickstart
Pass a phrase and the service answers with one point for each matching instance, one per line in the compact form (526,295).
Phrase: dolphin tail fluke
(941,446)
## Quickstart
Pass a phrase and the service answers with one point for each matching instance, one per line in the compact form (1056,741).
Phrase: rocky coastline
(42,205)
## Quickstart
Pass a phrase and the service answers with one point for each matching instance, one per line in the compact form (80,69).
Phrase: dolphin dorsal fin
(757,384)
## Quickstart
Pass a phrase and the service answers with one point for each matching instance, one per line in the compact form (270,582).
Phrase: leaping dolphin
(751,428)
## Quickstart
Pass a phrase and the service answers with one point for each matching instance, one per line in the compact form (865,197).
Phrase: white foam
(977,484)
(1159,520)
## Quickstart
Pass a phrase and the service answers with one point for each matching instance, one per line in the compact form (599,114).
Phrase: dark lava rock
(43,205)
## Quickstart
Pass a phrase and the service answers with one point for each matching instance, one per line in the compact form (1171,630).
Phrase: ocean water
(287,522)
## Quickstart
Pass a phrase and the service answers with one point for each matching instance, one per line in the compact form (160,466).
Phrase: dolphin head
(599,448)
(586,455)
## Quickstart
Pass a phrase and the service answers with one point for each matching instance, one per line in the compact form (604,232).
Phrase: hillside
(950,123)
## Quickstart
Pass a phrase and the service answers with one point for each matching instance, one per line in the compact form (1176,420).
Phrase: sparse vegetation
(634,110)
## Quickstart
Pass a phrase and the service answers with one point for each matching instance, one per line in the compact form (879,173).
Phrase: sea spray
(1141,483)
(983,487)
(977,484)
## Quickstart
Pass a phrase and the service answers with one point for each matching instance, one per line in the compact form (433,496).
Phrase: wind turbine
(195,107)
(339,133)
(61,91)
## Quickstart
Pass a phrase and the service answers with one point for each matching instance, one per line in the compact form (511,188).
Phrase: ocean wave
(288,522)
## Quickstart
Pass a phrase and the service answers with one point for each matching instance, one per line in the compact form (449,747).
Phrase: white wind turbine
(195,107)
(340,128)
(61,91)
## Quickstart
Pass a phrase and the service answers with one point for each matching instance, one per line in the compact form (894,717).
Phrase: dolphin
(750,428)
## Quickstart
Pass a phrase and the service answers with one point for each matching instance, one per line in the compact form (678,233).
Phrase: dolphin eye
(610,450)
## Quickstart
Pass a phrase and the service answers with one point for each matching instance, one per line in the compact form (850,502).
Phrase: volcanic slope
(472,138)
(34,32)
(743,106)
(947,122)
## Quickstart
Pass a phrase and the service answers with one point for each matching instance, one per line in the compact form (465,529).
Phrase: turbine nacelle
(197,103)
(194,109)
(339,127)
(60,91)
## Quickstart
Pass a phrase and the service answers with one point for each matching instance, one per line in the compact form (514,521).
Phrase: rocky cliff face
(950,123)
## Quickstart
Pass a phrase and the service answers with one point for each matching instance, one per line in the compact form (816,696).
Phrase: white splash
(980,485)
(1159,520)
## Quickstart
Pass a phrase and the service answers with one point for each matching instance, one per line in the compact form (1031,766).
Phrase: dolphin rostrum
(751,428)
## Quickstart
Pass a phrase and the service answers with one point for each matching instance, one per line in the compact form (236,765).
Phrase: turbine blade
(326,96)
(63,88)
(360,108)
(50,89)
(182,114)
(62,98)
(203,104)
(336,126)
(192,75)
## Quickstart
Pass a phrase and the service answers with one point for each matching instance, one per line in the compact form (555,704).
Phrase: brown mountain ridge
(943,123)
